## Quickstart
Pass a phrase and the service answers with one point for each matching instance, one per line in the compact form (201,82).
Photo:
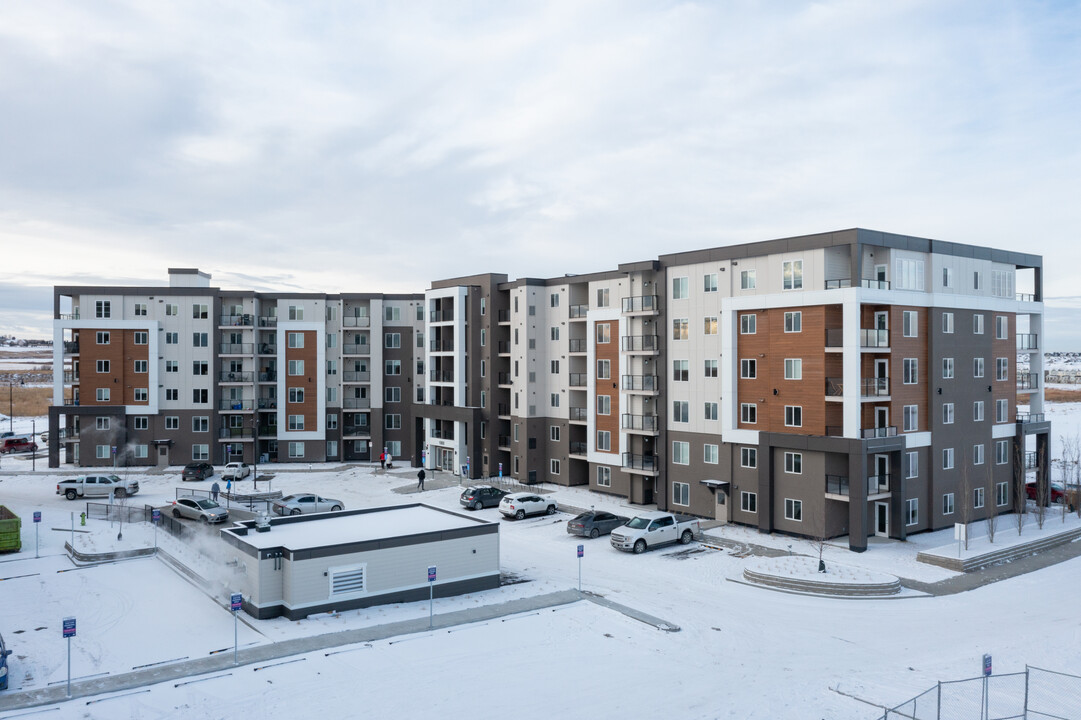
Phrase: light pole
(11,404)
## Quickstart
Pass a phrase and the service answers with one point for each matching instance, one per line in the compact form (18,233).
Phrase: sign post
(37,521)
(69,633)
(155,518)
(431,593)
(581,552)
(235,601)
(73,534)
(986,675)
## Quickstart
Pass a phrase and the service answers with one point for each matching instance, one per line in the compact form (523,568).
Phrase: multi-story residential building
(168,375)
(852,383)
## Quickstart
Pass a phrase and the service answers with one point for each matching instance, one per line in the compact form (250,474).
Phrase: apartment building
(851,383)
(172,374)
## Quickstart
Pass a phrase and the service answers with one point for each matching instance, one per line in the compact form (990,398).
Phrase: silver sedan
(200,509)
(304,503)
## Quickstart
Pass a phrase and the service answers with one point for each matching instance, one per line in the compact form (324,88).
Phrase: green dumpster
(10,531)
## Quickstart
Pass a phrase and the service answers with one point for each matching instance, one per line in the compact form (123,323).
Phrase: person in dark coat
(420,480)
(214,489)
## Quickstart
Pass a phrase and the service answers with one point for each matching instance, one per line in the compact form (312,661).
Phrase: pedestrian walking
(229,485)
(214,489)
(420,480)
(382,461)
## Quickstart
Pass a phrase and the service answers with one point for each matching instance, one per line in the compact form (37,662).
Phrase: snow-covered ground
(742,652)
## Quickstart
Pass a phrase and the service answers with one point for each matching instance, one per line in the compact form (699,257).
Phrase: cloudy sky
(363,146)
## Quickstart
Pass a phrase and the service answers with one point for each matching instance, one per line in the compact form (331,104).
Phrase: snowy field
(742,652)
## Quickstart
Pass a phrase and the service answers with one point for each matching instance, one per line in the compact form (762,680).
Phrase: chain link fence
(1034,694)
(118,511)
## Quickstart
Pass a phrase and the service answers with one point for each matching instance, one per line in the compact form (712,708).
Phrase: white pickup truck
(653,529)
(97,486)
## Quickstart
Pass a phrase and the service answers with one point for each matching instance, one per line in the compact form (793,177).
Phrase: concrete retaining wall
(993,557)
(819,587)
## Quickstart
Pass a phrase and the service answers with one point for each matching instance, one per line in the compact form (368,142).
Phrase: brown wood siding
(128,377)
(753,347)
(608,351)
(90,379)
(1004,349)
(310,407)
(902,348)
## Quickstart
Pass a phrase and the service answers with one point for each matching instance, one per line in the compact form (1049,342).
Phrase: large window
(710,454)
(393,421)
(296,422)
(747,324)
(296,367)
(679,288)
(681,453)
(793,416)
(681,411)
(200,423)
(748,369)
(793,322)
(102,366)
(102,395)
(103,309)
(793,463)
(604,440)
(393,367)
(792,275)
(681,494)
(793,369)
(681,329)
(295,339)
(392,340)
(710,325)
(199,312)
(909,274)
(748,457)
(200,452)
(748,413)
(604,404)
(748,502)
(793,509)
(296,450)
(604,333)
(681,371)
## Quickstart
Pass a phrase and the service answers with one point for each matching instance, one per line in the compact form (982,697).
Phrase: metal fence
(118,511)
(1034,694)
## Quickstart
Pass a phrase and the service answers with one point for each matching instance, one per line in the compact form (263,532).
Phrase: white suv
(235,471)
(518,505)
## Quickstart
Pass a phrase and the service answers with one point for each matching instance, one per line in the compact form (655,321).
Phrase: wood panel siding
(306,382)
(90,379)
(608,351)
(129,379)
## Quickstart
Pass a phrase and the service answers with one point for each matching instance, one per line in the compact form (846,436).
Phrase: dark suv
(481,496)
(197,471)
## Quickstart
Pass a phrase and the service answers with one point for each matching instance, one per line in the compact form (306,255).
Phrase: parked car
(201,509)
(197,471)
(595,523)
(235,471)
(303,503)
(481,496)
(4,652)
(96,486)
(518,505)
(1057,490)
(652,529)
(17,444)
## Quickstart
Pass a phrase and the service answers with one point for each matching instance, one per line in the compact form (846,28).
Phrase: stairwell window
(792,275)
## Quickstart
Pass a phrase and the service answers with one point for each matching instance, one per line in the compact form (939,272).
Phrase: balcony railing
(835,430)
(579,414)
(1027,341)
(875,284)
(355,376)
(640,343)
(1026,297)
(1030,460)
(356,349)
(237,376)
(838,284)
(878,483)
(236,348)
(445,376)
(645,423)
(228,404)
(71,348)
(1027,417)
(266,403)
(577,345)
(68,316)
(268,321)
(577,379)
(644,383)
(503,441)
(502,409)
(441,345)
(71,376)
(869,387)
(69,433)
(640,462)
(503,378)
(268,349)
(235,432)
(442,315)
(579,448)
(235,320)
(355,403)
(837,484)
(641,303)
(356,321)
(1028,381)
(835,337)
(356,430)
(503,347)
(879,432)
(874,338)
(578,311)
(443,434)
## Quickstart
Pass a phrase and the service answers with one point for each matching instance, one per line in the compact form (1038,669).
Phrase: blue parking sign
(155,516)
(235,601)
(431,574)
(37,516)
(69,627)
(581,550)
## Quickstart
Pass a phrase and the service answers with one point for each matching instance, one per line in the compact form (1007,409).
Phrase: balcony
(1027,417)
(503,317)
(875,284)
(838,284)
(70,376)
(442,315)
(235,321)
(838,485)
(503,378)
(356,321)
(578,312)
(268,376)
(441,434)
(69,434)
(579,414)
(641,304)
(503,441)
(441,376)
(879,432)
(268,403)
(641,383)
(268,431)
(353,431)
(1027,341)
(356,349)
(646,463)
(235,432)
(869,387)
(577,345)
(878,484)
(872,338)
(236,376)
(1026,297)
(68,316)
(641,423)
(1028,381)
(71,348)
(579,448)
(228,404)
(640,343)
(355,403)
(441,345)
(356,376)
(503,410)
(1031,460)
(503,347)
(268,321)
(268,349)
(236,348)
(577,379)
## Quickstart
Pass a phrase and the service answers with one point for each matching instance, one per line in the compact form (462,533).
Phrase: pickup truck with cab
(96,486)
(653,529)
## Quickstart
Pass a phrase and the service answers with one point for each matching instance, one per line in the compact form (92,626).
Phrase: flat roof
(307,532)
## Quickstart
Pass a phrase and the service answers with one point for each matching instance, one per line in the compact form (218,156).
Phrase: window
(748,369)
(681,493)
(681,370)
(553,433)
(390,314)
(602,297)
(977,454)
(172,338)
(680,329)
(296,367)
(792,275)
(483,337)
(102,338)
(909,274)
(200,423)
(1002,411)
(748,457)
(200,452)
(296,450)
(102,366)
(793,322)
(296,395)
(294,339)
(554,367)
(332,421)
(172,394)
(142,395)
(711,410)
(681,453)
(200,339)
(748,413)
(555,333)
(793,369)
(392,340)
(793,509)
(711,368)
(793,416)
(947,504)
(102,452)
(977,411)
(910,323)
(555,400)
(793,463)
(553,299)
(912,511)
(947,323)
(911,371)
(947,458)
(604,476)
(102,423)
(977,367)
(171,309)
(947,277)
(553,466)
(604,369)
(484,306)
(709,282)
(710,326)
(102,395)
(172,366)
(1002,283)
(911,418)
(1002,452)
(747,324)
(200,397)
(604,333)
(947,413)
(200,367)
(394,448)
(393,421)
(947,368)
(172,422)
(140,338)
(296,422)
(1002,368)
(1001,494)
(977,324)
(679,288)
(977,498)
(748,502)
(604,440)
(103,309)
(393,367)
(976,286)
(747,279)
(710,454)
(199,312)
(1002,327)
(913,465)
(604,405)
(681,411)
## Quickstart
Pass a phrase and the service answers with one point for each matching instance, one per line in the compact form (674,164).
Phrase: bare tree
(818,537)
(1041,490)
(991,492)
(965,509)
(1020,491)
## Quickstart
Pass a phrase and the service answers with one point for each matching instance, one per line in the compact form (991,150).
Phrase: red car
(1057,491)
(17,445)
